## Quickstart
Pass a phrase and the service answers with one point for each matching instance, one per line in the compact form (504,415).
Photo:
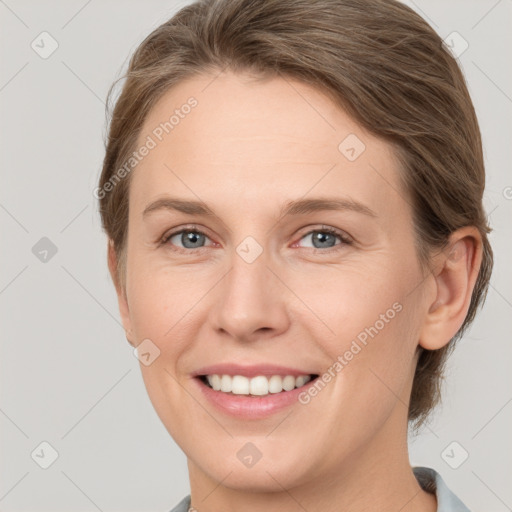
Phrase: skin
(247,149)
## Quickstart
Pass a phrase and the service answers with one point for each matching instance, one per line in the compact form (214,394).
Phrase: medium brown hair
(379,61)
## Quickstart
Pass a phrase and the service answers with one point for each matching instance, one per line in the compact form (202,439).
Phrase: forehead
(238,142)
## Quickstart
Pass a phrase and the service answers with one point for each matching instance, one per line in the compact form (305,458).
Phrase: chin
(258,480)
(268,474)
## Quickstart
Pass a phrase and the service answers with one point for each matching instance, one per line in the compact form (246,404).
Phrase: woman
(292,192)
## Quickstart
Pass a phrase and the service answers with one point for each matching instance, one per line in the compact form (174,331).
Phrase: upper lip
(249,370)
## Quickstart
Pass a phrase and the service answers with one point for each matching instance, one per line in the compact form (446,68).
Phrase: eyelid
(343,236)
(176,231)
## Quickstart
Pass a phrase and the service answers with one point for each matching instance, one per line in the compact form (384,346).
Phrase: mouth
(252,391)
(257,386)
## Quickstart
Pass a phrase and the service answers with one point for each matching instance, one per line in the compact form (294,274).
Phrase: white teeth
(214,381)
(239,385)
(260,385)
(225,383)
(300,381)
(275,384)
(289,383)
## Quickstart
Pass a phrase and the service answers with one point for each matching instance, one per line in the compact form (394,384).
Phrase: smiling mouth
(259,386)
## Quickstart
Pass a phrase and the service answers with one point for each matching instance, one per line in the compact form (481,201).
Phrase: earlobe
(121,293)
(454,283)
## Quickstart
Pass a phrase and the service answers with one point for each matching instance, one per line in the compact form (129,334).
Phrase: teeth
(240,385)
(258,386)
(275,384)
(289,383)
(225,384)
(215,382)
(300,381)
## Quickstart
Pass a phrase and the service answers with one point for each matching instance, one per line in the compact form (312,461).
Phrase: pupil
(321,238)
(191,237)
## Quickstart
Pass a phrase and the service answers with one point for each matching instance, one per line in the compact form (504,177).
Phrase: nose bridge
(249,297)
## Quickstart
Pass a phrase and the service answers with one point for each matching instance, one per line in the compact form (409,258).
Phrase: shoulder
(183,505)
(431,481)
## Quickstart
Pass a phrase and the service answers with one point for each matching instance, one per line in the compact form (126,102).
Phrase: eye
(192,238)
(189,238)
(325,238)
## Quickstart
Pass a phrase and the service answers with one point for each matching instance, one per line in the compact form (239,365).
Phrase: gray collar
(431,481)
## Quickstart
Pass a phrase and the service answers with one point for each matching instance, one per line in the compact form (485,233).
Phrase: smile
(260,385)
(251,392)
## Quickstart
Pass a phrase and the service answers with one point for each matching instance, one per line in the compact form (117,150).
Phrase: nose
(251,301)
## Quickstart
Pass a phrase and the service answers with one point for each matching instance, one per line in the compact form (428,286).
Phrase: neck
(376,477)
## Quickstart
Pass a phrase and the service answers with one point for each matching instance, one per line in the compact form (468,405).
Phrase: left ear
(455,277)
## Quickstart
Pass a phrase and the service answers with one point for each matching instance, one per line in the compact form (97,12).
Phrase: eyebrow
(298,207)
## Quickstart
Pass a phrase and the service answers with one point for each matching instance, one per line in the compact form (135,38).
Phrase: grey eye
(322,239)
(189,239)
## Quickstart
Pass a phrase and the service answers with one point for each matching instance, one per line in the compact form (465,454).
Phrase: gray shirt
(429,480)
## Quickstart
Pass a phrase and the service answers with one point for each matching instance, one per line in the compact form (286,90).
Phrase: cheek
(373,322)
(160,297)
(352,301)
(160,306)
(151,309)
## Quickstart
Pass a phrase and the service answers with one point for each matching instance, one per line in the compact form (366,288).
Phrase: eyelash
(324,229)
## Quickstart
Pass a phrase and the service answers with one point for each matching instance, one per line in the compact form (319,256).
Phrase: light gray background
(68,376)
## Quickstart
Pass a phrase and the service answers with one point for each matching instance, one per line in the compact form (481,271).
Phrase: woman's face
(259,288)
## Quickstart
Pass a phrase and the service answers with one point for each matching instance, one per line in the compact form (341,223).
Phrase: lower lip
(251,407)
